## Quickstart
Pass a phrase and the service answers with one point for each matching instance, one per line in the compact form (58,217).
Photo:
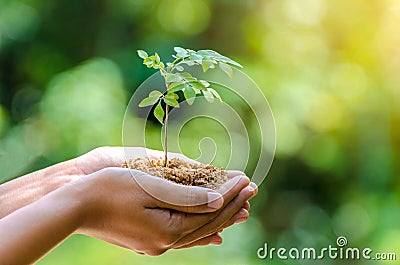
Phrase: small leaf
(171,99)
(181,52)
(188,62)
(148,62)
(169,66)
(198,85)
(179,68)
(197,91)
(171,95)
(149,101)
(157,58)
(155,94)
(204,83)
(206,64)
(189,94)
(208,95)
(142,54)
(196,58)
(170,78)
(188,77)
(159,113)
(175,86)
(215,93)
(226,68)
(230,61)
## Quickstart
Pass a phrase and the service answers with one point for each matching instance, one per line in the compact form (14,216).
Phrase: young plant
(176,79)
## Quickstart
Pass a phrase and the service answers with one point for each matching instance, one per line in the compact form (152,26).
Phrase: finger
(232,187)
(247,205)
(214,239)
(191,199)
(233,173)
(217,223)
(254,187)
(241,216)
(166,194)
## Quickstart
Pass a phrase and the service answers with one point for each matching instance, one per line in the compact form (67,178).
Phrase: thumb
(170,195)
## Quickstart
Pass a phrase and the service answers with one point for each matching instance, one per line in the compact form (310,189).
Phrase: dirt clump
(181,171)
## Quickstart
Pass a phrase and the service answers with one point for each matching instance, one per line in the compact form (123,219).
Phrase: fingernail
(214,200)
(251,189)
(253,185)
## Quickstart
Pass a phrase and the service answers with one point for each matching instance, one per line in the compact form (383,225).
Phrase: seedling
(176,79)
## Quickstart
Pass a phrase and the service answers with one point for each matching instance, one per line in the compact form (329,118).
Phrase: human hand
(123,213)
(106,156)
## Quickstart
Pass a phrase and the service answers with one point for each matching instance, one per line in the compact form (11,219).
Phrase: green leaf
(171,99)
(169,66)
(148,62)
(181,52)
(226,68)
(215,93)
(188,77)
(172,95)
(197,91)
(189,94)
(175,86)
(208,95)
(219,57)
(155,94)
(209,53)
(198,85)
(159,113)
(204,83)
(179,68)
(157,58)
(142,54)
(206,64)
(188,62)
(170,78)
(196,58)
(149,101)
(230,61)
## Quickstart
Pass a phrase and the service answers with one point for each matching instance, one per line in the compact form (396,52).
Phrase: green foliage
(177,80)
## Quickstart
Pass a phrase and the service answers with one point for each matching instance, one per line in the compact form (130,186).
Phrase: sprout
(176,79)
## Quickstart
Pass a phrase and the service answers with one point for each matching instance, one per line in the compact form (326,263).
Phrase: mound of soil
(181,172)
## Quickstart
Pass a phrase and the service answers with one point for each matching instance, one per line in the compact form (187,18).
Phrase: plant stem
(165,136)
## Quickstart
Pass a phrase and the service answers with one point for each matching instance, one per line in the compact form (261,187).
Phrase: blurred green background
(330,70)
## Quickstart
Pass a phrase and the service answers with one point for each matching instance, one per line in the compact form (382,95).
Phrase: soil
(181,171)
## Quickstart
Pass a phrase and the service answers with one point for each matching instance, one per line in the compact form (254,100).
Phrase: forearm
(31,187)
(30,232)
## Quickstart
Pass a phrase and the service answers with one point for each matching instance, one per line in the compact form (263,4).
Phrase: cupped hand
(121,212)
(104,157)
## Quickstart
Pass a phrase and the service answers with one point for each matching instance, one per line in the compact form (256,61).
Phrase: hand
(103,157)
(109,204)
(31,187)
(122,213)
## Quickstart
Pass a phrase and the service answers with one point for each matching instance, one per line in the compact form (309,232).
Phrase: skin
(89,195)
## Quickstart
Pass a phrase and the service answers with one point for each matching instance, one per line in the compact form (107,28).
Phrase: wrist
(24,190)
(91,195)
